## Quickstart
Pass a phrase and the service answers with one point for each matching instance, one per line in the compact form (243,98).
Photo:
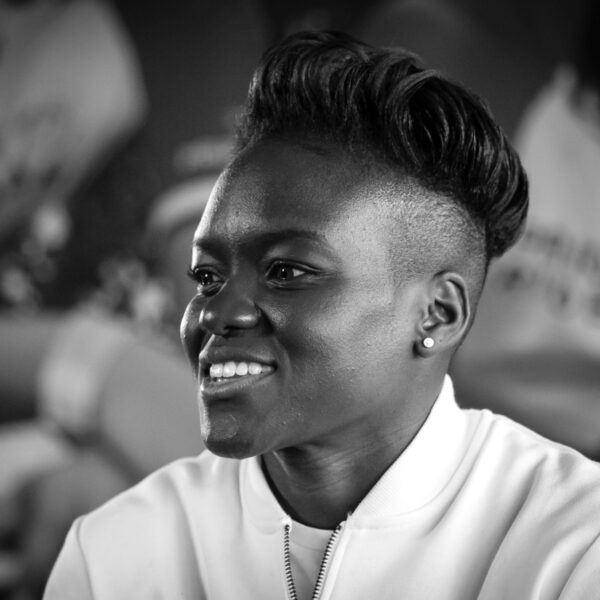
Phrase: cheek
(190,332)
(331,333)
(349,337)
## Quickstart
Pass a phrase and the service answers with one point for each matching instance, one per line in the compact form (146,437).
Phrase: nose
(231,308)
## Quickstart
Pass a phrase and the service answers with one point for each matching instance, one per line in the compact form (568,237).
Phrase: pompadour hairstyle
(383,104)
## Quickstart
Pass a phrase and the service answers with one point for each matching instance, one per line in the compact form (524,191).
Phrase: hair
(382,106)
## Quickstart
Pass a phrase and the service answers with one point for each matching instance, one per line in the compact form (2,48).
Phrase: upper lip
(222,354)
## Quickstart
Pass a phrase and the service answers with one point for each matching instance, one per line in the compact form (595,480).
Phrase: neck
(319,487)
(320,483)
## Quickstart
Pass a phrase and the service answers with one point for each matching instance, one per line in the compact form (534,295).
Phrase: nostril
(215,322)
(210,321)
(226,312)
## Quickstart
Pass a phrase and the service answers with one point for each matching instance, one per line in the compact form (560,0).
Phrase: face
(301,330)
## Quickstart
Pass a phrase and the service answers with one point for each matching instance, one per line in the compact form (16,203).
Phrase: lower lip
(213,389)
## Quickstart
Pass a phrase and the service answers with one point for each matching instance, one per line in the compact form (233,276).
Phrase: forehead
(284,186)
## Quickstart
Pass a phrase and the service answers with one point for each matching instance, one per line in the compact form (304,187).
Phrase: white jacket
(476,507)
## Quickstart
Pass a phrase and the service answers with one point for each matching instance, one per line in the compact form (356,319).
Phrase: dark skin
(292,260)
(320,488)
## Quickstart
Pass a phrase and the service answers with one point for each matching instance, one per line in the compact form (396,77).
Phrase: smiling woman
(338,264)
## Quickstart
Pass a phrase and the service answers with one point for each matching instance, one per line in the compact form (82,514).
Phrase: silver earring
(428,342)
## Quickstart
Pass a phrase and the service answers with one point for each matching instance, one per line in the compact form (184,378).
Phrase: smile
(231,369)
(228,379)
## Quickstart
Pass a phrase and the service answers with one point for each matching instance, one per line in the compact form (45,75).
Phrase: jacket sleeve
(70,579)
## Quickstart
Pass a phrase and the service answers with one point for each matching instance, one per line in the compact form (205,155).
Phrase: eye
(284,272)
(208,281)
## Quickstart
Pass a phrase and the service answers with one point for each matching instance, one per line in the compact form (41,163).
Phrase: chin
(232,434)
(230,442)
(231,448)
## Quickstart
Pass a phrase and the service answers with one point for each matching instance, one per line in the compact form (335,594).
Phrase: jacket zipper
(287,559)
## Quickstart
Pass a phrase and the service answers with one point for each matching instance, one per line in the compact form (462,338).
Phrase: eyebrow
(268,238)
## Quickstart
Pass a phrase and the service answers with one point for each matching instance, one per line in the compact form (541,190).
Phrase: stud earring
(428,342)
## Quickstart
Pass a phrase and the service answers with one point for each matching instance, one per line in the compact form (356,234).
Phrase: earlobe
(447,316)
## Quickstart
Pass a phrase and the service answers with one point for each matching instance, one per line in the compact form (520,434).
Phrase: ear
(446,317)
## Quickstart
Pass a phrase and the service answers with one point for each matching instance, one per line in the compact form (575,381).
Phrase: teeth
(254,368)
(216,370)
(231,369)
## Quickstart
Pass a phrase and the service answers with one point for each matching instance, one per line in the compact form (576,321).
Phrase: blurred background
(115,119)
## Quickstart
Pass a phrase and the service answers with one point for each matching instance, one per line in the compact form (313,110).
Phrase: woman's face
(300,332)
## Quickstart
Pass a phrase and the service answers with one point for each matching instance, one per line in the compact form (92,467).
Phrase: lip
(211,355)
(225,388)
